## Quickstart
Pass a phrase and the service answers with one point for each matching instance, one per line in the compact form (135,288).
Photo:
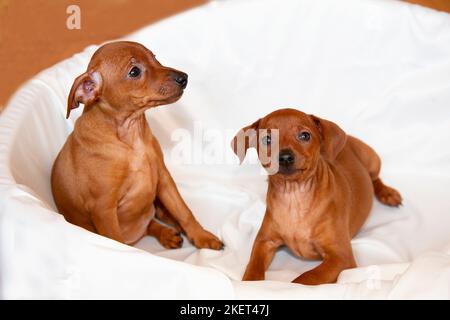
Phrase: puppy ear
(246,138)
(85,89)
(333,138)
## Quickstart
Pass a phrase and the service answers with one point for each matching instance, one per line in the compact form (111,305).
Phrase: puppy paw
(307,280)
(314,278)
(205,239)
(170,238)
(389,196)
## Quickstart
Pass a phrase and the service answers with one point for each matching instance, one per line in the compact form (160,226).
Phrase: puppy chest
(296,226)
(299,238)
(302,245)
(139,186)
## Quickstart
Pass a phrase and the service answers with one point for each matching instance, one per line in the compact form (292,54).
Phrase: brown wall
(33,33)
(443,5)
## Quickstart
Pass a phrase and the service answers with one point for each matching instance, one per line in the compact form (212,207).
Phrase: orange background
(33,33)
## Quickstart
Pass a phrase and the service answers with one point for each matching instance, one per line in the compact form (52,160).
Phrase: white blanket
(380,69)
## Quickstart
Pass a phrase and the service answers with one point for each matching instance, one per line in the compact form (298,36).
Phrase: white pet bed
(381,69)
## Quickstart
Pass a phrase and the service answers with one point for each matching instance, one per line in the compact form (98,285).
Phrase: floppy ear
(85,89)
(333,138)
(246,138)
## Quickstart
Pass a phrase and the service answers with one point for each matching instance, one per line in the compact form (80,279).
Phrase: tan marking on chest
(294,217)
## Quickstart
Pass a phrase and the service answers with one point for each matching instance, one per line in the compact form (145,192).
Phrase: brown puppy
(110,175)
(320,195)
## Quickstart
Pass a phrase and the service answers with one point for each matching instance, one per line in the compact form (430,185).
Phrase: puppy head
(293,140)
(126,76)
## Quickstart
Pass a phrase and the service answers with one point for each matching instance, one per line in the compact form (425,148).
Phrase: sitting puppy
(110,175)
(320,195)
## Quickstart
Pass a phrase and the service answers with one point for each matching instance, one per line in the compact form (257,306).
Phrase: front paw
(205,239)
(314,278)
(307,280)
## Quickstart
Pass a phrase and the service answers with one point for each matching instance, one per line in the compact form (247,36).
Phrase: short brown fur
(110,173)
(319,201)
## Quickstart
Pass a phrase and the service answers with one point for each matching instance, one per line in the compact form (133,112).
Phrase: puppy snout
(180,78)
(286,158)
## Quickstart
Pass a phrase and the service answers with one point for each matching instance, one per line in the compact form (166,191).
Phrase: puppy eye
(266,140)
(134,72)
(304,136)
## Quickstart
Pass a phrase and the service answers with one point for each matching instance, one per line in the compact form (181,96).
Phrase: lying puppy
(320,196)
(110,176)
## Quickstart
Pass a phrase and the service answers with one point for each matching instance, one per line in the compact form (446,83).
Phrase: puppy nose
(181,79)
(286,158)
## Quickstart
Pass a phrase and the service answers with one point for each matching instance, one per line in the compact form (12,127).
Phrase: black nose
(286,158)
(181,79)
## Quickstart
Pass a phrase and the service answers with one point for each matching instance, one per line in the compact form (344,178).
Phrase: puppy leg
(263,251)
(370,159)
(104,217)
(262,255)
(171,199)
(164,215)
(168,237)
(334,262)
